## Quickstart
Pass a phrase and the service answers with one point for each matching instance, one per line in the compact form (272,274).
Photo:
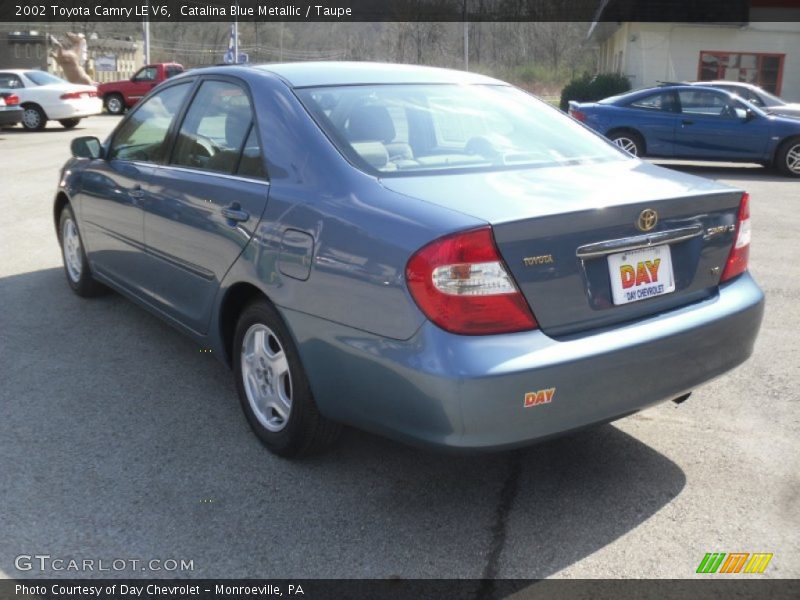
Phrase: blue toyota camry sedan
(695,122)
(428,254)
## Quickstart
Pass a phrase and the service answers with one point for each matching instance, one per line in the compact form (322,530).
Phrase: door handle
(687,122)
(234,212)
(137,192)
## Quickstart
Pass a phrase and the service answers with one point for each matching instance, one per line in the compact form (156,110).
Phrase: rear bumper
(10,116)
(75,109)
(469,392)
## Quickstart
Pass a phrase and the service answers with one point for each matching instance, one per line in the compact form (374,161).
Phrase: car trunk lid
(569,236)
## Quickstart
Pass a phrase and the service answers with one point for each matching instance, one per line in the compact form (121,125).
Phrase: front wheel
(787,159)
(273,389)
(114,104)
(69,123)
(76,267)
(631,142)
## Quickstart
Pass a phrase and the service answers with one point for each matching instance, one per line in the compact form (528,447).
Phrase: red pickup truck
(119,95)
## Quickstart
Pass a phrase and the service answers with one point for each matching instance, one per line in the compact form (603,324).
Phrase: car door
(713,125)
(142,82)
(656,117)
(114,187)
(205,202)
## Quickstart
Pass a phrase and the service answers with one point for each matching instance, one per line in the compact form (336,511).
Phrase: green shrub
(591,89)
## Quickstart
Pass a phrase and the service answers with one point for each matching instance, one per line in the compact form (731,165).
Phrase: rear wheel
(115,104)
(76,267)
(273,388)
(33,117)
(629,141)
(69,123)
(787,159)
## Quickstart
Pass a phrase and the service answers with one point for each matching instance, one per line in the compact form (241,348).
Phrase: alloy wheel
(71,243)
(793,159)
(266,377)
(627,144)
(114,105)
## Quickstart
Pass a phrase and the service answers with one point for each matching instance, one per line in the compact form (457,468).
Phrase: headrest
(370,124)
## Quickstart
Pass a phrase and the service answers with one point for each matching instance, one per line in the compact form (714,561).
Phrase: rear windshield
(401,129)
(42,78)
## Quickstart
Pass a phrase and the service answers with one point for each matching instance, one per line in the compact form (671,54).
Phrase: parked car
(432,255)
(696,123)
(46,97)
(755,95)
(10,110)
(120,95)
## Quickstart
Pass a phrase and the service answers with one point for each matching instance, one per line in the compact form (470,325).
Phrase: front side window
(141,137)
(215,128)
(397,129)
(705,103)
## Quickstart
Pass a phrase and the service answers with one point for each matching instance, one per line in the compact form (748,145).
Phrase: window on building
(763,70)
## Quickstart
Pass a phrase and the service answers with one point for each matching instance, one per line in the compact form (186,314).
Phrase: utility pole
(147,35)
(465,16)
(236,40)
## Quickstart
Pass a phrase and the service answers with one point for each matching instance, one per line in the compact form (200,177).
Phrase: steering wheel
(204,148)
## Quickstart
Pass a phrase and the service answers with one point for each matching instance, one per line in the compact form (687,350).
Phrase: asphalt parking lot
(119,439)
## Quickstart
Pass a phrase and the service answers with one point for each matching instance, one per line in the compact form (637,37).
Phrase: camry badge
(647,220)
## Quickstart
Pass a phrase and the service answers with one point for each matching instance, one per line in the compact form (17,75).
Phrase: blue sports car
(427,254)
(696,123)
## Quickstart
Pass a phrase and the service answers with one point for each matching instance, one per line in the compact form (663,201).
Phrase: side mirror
(749,114)
(86,146)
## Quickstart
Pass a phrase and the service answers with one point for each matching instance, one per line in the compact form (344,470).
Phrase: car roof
(673,86)
(725,82)
(324,73)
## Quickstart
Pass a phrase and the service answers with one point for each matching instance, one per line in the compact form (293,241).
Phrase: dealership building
(758,51)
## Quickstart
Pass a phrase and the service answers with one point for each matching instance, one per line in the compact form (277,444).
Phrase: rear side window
(215,128)
(252,163)
(172,71)
(662,101)
(10,81)
(142,135)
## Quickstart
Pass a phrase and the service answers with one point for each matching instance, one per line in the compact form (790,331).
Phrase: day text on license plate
(641,274)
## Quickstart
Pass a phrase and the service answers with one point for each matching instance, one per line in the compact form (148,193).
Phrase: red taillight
(740,253)
(78,95)
(461,284)
(576,114)
(11,99)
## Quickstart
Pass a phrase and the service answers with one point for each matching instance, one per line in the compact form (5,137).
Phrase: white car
(45,97)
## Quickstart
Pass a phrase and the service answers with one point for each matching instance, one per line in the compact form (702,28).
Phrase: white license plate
(641,274)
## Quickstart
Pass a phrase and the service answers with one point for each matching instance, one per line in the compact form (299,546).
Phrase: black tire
(305,431)
(114,103)
(787,158)
(33,117)
(630,141)
(83,284)
(69,123)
